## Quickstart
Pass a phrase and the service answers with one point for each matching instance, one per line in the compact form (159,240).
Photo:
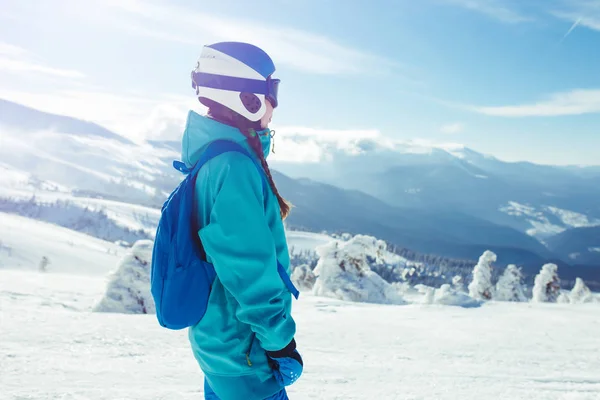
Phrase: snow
(351,350)
(54,346)
(128,290)
(481,287)
(299,241)
(540,221)
(23,243)
(127,171)
(543,229)
(581,293)
(573,219)
(343,272)
(303,278)
(448,296)
(510,285)
(546,287)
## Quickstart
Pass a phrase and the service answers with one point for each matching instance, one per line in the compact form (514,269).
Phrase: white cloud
(455,127)
(584,13)
(314,145)
(16,60)
(294,48)
(496,9)
(574,102)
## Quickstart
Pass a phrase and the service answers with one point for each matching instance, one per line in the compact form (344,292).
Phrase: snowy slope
(299,241)
(351,351)
(23,243)
(88,165)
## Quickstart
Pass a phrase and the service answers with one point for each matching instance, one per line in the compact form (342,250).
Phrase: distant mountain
(81,157)
(77,163)
(577,245)
(319,207)
(538,200)
(13,115)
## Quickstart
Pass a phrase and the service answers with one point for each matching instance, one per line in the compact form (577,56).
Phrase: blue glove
(286,364)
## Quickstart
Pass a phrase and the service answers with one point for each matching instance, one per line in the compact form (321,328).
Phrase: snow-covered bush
(448,296)
(581,293)
(546,287)
(481,288)
(343,272)
(510,285)
(128,289)
(429,294)
(563,298)
(303,277)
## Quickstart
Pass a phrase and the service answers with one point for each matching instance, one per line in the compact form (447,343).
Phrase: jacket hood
(201,130)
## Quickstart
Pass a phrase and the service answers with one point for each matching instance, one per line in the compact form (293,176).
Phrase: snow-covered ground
(24,242)
(299,241)
(54,347)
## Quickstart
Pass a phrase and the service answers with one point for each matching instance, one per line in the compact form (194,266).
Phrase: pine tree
(546,288)
(481,287)
(510,285)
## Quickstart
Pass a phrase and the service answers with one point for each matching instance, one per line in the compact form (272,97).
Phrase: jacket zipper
(250,349)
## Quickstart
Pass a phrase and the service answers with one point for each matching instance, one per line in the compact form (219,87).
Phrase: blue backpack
(180,277)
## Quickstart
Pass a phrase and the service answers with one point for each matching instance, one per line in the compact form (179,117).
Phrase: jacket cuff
(287,351)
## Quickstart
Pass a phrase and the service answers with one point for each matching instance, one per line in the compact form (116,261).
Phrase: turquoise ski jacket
(249,309)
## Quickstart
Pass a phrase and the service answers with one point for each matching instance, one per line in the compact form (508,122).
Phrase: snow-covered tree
(481,288)
(128,289)
(581,293)
(510,285)
(458,283)
(343,271)
(546,288)
(303,277)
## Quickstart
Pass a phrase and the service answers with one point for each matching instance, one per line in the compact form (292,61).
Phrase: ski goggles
(268,88)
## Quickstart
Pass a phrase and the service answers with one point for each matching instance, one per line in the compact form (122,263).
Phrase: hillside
(578,245)
(86,167)
(456,179)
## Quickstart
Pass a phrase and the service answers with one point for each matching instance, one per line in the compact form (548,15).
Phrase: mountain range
(456,203)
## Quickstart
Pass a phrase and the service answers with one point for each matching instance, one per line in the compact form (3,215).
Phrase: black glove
(287,364)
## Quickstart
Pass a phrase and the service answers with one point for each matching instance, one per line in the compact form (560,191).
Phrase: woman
(245,342)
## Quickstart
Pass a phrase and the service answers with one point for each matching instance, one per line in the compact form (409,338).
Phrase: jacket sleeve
(241,247)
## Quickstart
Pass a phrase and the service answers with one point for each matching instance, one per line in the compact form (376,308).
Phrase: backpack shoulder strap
(215,149)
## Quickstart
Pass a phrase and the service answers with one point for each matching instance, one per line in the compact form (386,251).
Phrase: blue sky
(516,79)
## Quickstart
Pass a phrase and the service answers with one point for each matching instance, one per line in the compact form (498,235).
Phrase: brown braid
(248,129)
(254,142)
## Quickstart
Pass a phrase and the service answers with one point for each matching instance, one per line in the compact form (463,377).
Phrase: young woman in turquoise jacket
(245,343)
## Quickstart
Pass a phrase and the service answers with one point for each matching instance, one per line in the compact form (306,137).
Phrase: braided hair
(249,129)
